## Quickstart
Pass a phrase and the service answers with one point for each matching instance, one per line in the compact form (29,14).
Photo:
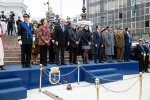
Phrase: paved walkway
(89,93)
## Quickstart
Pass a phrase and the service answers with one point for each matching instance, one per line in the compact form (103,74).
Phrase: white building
(17,6)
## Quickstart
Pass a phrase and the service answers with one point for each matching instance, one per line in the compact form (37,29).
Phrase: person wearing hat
(146,55)
(139,54)
(35,47)
(119,43)
(109,44)
(103,31)
(74,40)
(97,44)
(25,40)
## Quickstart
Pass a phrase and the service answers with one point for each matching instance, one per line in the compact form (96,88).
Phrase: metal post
(97,84)
(78,73)
(40,85)
(140,83)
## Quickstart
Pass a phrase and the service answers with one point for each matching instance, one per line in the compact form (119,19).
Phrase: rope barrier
(110,90)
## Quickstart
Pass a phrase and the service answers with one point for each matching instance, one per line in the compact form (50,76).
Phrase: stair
(108,74)
(12,52)
(12,89)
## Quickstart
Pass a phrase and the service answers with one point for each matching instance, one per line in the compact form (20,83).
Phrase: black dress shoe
(95,62)
(101,62)
(23,66)
(28,66)
(63,63)
(58,64)
(45,65)
(75,63)
(2,67)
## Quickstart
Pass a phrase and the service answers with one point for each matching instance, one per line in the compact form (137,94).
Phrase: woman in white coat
(1,49)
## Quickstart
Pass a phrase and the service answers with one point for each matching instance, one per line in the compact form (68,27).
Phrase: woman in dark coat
(86,42)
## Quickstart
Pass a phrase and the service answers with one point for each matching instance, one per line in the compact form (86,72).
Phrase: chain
(69,72)
(122,90)
(64,74)
(108,79)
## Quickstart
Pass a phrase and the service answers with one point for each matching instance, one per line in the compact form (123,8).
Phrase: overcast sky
(37,8)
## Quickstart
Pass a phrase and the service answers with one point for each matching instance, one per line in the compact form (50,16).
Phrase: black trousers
(43,54)
(97,53)
(141,63)
(60,53)
(10,29)
(51,53)
(26,54)
(146,62)
(73,54)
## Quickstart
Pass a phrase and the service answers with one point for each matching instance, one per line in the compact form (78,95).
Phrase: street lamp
(47,3)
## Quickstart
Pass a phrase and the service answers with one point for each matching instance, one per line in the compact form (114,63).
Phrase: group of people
(56,36)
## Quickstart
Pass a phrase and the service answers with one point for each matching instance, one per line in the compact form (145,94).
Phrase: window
(120,15)
(147,23)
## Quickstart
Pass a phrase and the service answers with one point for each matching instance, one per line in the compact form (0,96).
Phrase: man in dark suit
(74,39)
(60,32)
(128,42)
(97,43)
(25,39)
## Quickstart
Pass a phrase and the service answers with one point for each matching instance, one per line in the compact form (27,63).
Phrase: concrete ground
(89,92)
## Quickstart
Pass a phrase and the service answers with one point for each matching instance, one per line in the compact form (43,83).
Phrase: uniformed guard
(146,55)
(25,40)
(139,54)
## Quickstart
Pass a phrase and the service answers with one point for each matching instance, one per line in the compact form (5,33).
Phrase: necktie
(63,28)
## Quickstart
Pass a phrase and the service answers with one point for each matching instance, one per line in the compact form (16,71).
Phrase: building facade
(17,6)
(131,13)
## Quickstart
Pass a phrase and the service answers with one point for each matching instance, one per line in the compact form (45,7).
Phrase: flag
(134,6)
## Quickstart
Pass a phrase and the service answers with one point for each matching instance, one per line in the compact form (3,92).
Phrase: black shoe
(95,62)
(75,63)
(58,64)
(101,62)
(28,66)
(84,62)
(45,65)
(63,63)
(2,67)
(51,62)
(23,66)
(70,63)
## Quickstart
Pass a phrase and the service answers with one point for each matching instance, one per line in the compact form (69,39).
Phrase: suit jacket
(74,36)
(60,36)
(44,36)
(23,34)
(127,38)
(97,38)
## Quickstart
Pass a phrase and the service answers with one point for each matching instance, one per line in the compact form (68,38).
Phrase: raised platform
(30,76)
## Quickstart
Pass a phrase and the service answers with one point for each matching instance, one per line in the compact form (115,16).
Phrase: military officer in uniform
(139,54)
(146,56)
(119,43)
(25,40)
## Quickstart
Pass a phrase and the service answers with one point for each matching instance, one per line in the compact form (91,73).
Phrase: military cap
(26,15)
